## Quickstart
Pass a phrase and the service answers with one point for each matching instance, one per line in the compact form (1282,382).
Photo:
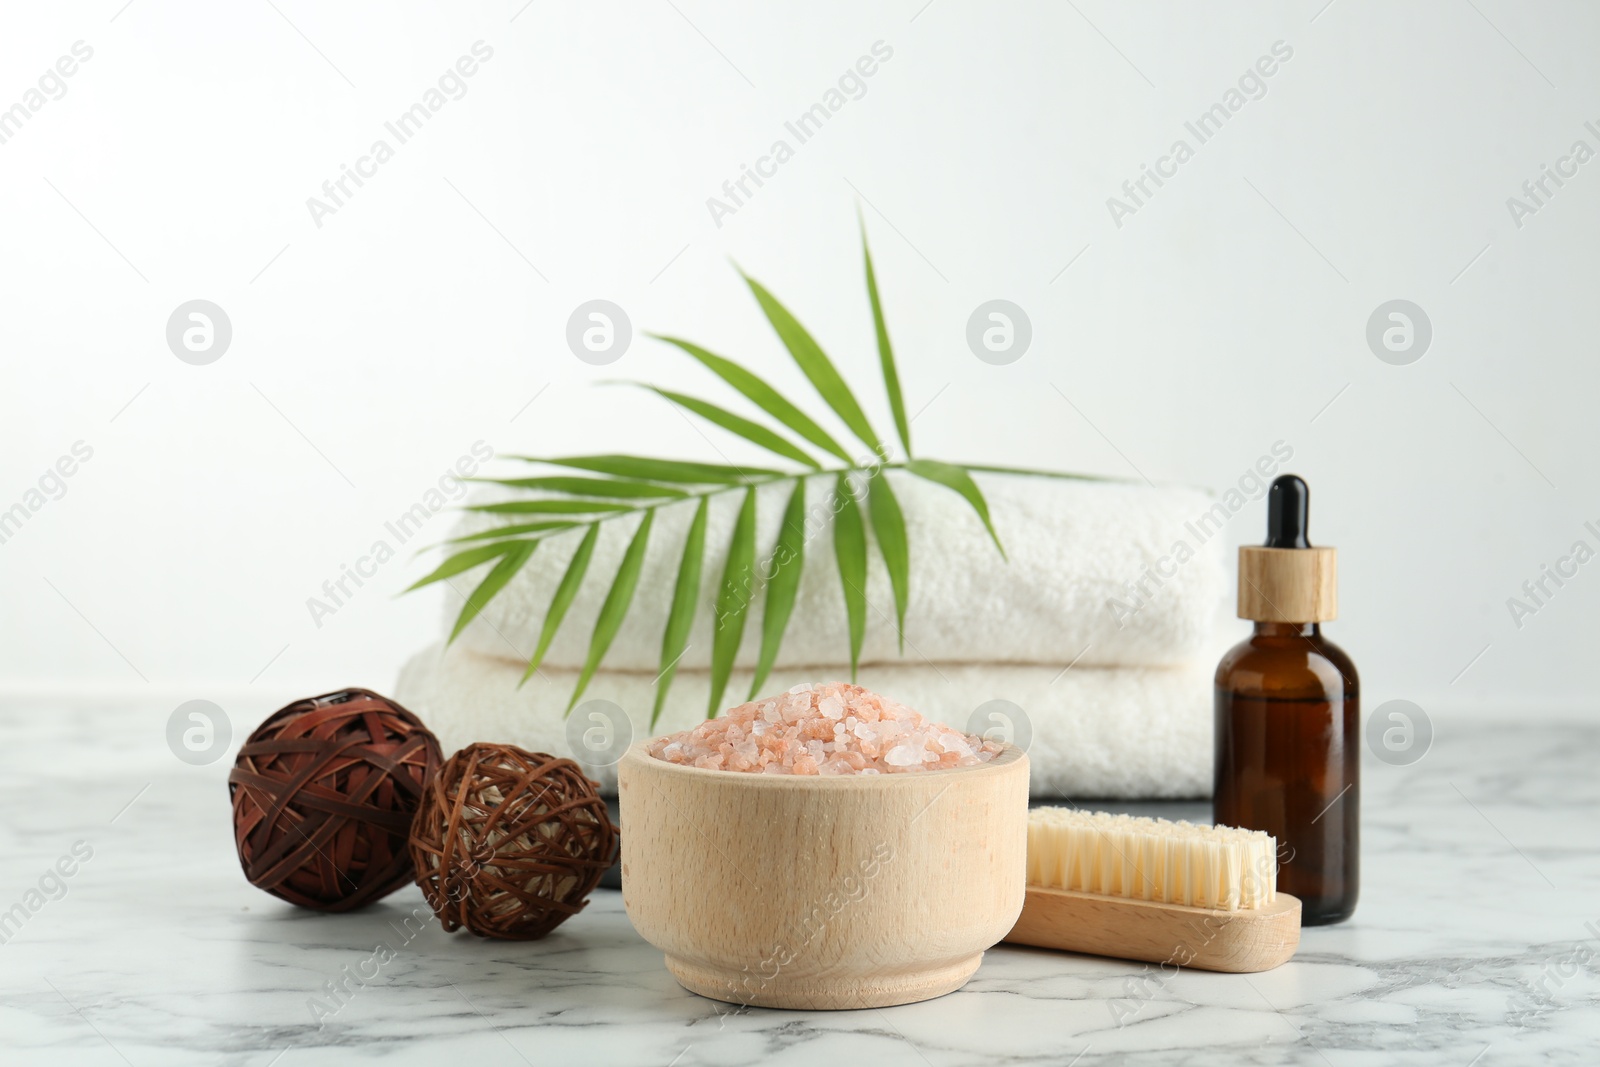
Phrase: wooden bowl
(839,892)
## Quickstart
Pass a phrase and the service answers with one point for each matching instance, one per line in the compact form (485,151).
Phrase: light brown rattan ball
(509,843)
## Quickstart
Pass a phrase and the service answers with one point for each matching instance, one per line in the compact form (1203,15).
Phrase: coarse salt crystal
(833,729)
(901,756)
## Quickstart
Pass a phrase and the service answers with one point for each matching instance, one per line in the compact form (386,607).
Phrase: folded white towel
(1074,547)
(1095,732)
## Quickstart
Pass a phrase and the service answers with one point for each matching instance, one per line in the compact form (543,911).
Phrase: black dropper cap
(1288,512)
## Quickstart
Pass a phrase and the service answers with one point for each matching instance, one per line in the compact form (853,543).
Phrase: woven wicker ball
(510,843)
(323,795)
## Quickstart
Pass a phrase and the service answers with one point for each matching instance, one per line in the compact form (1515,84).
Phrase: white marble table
(1477,941)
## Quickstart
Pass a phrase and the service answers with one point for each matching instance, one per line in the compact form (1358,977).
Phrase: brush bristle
(1151,859)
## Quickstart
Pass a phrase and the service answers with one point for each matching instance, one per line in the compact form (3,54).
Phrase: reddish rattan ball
(510,843)
(323,795)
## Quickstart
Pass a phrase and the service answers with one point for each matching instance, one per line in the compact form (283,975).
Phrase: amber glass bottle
(1288,716)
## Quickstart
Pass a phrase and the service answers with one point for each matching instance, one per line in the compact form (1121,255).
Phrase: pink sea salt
(830,729)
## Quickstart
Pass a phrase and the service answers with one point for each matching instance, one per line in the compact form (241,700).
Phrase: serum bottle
(1288,724)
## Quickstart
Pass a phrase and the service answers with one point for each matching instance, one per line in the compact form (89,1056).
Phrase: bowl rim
(639,754)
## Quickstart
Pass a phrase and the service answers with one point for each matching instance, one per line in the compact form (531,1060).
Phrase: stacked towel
(1095,732)
(1098,627)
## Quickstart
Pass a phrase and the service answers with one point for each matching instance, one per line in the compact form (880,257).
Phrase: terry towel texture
(1072,547)
(1096,732)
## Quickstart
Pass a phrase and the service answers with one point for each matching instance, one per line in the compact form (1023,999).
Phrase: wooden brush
(1149,889)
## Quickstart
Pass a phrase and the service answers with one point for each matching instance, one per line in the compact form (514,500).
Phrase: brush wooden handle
(1238,942)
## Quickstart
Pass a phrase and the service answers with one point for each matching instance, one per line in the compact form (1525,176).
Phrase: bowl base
(824,992)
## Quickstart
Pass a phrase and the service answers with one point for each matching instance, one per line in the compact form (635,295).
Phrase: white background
(426,314)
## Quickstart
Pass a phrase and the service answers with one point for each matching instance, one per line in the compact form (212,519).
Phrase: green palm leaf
(891,376)
(514,530)
(613,488)
(788,559)
(889,527)
(1036,473)
(680,472)
(549,507)
(733,601)
(953,477)
(562,599)
(680,616)
(763,396)
(750,431)
(850,548)
(465,561)
(615,608)
(492,583)
(590,490)
(815,365)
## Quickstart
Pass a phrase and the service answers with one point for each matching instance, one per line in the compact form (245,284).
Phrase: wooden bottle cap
(1288,584)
